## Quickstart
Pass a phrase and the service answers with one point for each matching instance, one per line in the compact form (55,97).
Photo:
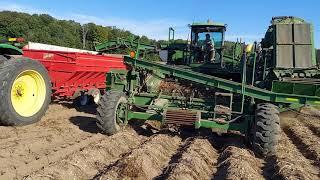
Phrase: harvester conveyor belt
(232,86)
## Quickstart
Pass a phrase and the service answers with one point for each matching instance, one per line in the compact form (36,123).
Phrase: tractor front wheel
(25,91)
(266,129)
(111,111)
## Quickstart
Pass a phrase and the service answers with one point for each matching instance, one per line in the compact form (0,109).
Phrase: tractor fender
(10,50)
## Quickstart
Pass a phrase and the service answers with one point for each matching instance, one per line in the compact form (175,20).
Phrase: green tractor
(25,89)
(199,85)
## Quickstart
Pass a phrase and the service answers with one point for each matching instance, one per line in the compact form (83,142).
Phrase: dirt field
(66,144)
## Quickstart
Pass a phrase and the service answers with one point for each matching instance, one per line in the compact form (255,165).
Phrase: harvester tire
(25,91)
(107,109)
(266,129)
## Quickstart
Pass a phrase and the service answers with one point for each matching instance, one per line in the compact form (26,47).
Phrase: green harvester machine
(239,92)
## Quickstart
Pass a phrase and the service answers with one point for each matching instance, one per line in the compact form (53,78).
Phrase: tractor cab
(207,40)
(204,47)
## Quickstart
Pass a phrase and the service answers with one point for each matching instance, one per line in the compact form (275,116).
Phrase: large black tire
(266,129)
(107,111)
(9,71)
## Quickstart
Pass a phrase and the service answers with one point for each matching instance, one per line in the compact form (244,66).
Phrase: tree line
(43,28)
(46,29)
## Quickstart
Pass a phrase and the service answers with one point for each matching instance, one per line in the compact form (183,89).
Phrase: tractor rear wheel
(111,112)
(25,91)
(266,129)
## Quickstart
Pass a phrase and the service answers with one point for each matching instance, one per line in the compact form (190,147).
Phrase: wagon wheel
(111,112)
(25,91)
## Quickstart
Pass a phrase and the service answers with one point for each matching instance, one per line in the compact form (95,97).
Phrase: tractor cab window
(216,35)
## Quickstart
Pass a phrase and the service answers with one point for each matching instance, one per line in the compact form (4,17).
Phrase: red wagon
(75,73)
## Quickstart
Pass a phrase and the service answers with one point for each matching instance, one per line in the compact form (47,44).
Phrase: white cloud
(11,7)
(155,29)
(8,6)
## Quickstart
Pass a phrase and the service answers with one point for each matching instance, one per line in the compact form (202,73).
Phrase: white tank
(48,47)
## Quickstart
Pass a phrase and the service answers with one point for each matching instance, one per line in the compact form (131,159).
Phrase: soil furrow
(145,162)
(303,138)
(87,161)
(306,142)
(313,124)
(32,147)
(197,162)
(291,164)
(238,163)
(310,117)
(24,169)
(175,158)
(66,144)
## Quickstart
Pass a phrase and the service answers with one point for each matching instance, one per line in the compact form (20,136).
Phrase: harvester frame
(250,104)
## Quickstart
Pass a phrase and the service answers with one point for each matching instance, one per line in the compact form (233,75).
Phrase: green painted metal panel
(307,89)
(282,87)
(317,91)
(144,116)
(242,127)
(304,89)
(116,79)
(142,100)
(9,49)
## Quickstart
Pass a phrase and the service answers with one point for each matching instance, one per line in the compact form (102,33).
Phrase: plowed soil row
(290,163)
(67,144)
(311,118)
(307,142)
(197,161)
(86,162)
(59,134)
(239,163)
(196,158)
(145,162)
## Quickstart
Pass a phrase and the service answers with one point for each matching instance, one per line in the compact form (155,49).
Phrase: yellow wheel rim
(28,93)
